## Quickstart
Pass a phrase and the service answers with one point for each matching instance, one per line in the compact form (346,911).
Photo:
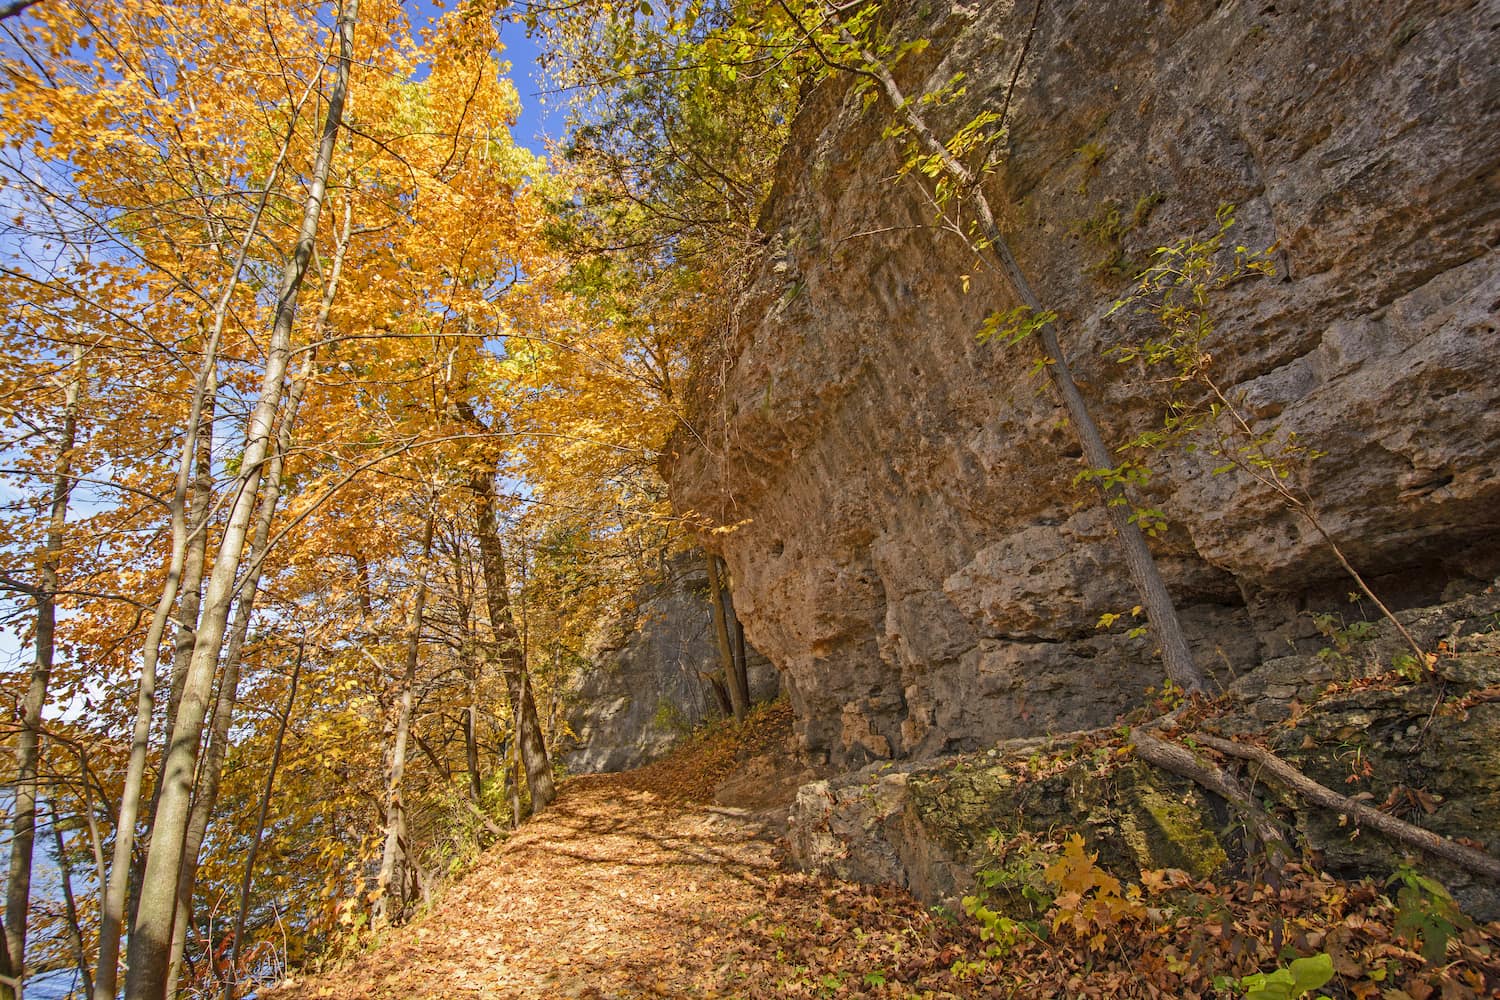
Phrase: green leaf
(1310,973)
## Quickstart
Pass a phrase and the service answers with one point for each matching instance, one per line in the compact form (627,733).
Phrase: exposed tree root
(1173,757)
(1478,862)
(1181,761)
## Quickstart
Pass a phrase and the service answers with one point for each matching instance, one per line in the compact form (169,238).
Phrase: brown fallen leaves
(630,886)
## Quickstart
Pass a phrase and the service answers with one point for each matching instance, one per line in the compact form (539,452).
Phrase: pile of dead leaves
(1087,934)
(710,754)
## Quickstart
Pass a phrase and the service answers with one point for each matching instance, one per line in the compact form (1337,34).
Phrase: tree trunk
(29,741)
(395,858)
(190,593)
(528,730)
(513,779)
(211,770)
(112,904)
(261,812)
(738,694)
(70,907)
(1165,626)
(471,744)
(207,794)
(151,934)
(741,657)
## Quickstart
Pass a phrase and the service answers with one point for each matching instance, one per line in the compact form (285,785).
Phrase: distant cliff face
(915,556)
(644,686)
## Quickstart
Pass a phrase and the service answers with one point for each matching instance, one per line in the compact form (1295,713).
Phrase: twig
(1179,760)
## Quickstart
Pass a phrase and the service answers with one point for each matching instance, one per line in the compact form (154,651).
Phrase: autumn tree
(278,212)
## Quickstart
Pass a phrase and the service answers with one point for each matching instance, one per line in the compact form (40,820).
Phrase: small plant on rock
(1176,291)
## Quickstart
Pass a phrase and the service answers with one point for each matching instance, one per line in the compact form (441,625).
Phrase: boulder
(642,689)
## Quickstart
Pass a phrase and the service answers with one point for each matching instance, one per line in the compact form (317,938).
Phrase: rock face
(912,551)
(1429,752)
(643,689)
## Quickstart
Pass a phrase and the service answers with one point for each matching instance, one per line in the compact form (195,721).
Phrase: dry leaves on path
(618,892)
(631,886)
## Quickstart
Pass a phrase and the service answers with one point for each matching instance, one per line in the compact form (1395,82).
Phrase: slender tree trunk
(210,771)
(394,859)
(213,764)
(513,778)
(738,697)
(471,743)
(70,907)
(151,935)
(189,591)
(530,742)
(741,658)
(261,811)
(190,595)
(468,652)
(1165,626)
(29,741)
(112,905)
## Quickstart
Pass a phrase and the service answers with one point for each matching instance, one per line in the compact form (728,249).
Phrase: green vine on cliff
(1176,293)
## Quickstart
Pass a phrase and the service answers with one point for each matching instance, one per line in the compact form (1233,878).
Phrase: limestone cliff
(643,689)
(913,554)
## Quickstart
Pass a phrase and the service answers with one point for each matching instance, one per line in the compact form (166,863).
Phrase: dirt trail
(613,892)
(634,885)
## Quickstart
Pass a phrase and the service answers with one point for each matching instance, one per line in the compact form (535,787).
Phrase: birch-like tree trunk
(29,741)
(151,932)
(261,811)
(112,904)
(207,794)
(393,856)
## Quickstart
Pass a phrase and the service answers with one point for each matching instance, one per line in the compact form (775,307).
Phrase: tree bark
(1398,830)
(528,730)
(190,593)
(395,856)
(151,933)
(1181,761)
(738,695)
(471,744)
(29,741)
(112,904)
(211,769)
(261,811)
(70,907)
(207,793)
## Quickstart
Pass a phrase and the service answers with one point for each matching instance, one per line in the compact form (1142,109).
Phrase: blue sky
(538,121)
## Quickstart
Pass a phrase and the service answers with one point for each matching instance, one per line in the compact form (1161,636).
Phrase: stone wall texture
(912,552)
(643,688)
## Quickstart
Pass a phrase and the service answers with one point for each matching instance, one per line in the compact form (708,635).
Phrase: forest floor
(639,885)
(666,882)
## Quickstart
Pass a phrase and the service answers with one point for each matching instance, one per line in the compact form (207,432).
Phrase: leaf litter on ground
(638,884)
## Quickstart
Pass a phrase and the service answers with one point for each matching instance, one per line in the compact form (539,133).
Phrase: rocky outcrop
(911,549)
(643,688)
(1429,752)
